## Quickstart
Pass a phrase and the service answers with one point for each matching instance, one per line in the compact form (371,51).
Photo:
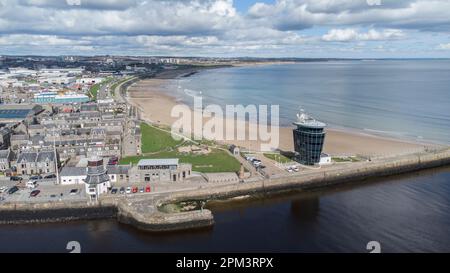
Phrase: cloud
(219,27)
(350,35)
(444,46)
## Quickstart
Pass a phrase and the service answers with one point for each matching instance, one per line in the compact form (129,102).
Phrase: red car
(35,193)
(148,189)
(135,189)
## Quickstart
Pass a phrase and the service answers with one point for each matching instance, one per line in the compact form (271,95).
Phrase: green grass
(278,158)
(345,159)
(154,140)
(93,92)
(215,162)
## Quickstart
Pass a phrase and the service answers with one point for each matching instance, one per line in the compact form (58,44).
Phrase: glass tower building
(309,137)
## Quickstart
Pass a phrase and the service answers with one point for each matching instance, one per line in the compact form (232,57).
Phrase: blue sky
(227,28)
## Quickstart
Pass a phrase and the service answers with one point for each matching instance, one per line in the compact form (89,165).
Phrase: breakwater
(143,213)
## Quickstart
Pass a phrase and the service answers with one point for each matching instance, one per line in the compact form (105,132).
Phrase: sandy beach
(151,98)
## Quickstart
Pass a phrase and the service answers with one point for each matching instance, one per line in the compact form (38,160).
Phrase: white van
(32,184)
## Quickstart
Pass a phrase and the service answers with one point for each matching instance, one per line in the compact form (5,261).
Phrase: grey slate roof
(27,157)
(158,162)
(46,156)
(73,171)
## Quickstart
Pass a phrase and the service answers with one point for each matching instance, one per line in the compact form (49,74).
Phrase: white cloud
(444,46)
(351,34)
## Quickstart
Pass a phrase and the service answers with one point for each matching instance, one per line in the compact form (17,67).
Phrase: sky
(227,28)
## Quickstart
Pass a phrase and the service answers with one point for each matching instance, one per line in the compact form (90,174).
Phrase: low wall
(164,222)
(54,213)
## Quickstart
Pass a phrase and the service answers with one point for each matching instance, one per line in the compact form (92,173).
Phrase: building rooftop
(158,162)
(306,120)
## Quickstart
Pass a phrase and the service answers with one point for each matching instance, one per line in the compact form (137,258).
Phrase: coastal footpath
(144,212)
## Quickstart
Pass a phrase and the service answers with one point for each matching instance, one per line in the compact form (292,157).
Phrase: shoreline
(156,97)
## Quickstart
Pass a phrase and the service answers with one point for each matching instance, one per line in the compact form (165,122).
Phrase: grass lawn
(345,159)
(94,91)
(216,161)
(154,140)
(278,158)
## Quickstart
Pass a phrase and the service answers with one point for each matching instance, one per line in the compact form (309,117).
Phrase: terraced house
(31,163)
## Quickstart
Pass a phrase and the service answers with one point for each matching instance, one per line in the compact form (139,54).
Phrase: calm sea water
(405,99)
(405,214)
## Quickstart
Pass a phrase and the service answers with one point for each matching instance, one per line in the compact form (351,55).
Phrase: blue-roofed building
(13,113)
(54,98)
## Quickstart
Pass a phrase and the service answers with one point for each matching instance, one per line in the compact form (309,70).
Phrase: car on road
(114,191)
(122,190)
(53,196)
(148,189)
(51,176)
(128,191)
(74,192)
(3,189)
(16,178)
(13,190)
(35,193)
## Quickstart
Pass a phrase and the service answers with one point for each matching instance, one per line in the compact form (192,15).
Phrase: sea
(407,99)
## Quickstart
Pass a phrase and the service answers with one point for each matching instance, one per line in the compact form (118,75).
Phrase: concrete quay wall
(163,222)
(321,178)
(53,213)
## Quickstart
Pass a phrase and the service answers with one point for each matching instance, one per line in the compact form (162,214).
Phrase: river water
(408,213)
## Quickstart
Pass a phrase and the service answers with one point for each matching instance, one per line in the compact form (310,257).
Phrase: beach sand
(156,106)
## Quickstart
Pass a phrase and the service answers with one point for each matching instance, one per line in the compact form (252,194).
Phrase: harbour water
(408,213)
(406,99)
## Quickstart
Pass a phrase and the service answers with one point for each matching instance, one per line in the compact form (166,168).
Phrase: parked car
(16,178)
(128,191)
(32,184)
(135,189)
(142,190)
(35,193)
(122,190)
(13,190)
(3,189)
(51,176)
(36,177)
(74,192)
(148,189)
(53,196)
(114,191)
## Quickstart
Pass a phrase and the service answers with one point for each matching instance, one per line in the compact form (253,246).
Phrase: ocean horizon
(403,99)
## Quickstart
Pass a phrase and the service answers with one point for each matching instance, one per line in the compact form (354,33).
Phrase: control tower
(309,137)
